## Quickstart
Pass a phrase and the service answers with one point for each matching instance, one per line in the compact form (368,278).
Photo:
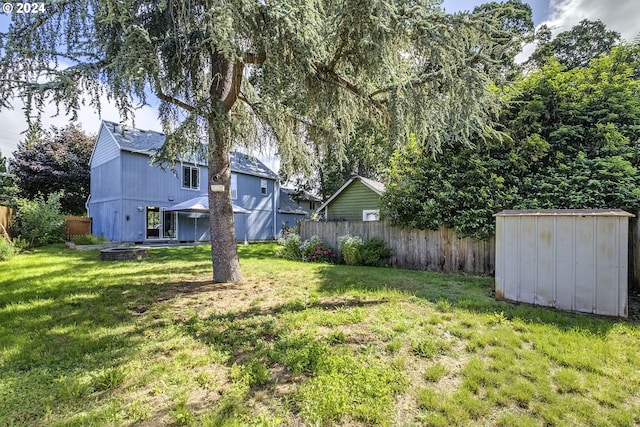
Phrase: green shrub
(374,253)
(350,249)
(19,244)
(290,247)
(40,221)
(6,250)
(315,250)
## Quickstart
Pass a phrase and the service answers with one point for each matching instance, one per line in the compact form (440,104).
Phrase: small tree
(40,221)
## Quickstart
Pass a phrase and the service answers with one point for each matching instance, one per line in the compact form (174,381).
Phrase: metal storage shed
(570,259)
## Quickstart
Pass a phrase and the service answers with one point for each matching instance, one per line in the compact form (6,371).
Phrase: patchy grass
(155,342)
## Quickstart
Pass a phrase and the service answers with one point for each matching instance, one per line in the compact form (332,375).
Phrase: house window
(263,187)
(312,206)
(371,215)
(234,186)
(190,177)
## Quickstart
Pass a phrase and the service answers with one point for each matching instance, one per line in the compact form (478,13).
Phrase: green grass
(155,342)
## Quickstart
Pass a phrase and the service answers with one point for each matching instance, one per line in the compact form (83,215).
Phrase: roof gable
(375,186)
(148,142)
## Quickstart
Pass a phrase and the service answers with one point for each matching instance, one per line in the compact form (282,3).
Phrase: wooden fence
(76,226)
(6,214)
(439,250)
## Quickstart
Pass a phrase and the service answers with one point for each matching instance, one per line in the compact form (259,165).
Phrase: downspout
(276,200)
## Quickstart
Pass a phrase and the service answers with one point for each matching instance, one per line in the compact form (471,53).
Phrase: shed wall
(352,201)
(575,263)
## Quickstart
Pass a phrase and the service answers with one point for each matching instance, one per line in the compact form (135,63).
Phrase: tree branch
(330,75)
(170,99)
(344,37)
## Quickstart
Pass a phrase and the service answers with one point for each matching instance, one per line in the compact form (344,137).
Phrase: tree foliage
(296,72)
(40,221)
(54,161)
(574,142)
(575,47)
(8,188)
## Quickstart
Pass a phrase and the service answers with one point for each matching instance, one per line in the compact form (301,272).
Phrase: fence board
(76,226)
(6,214)
(435,250)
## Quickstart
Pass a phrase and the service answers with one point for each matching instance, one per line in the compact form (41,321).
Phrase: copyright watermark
(9,8)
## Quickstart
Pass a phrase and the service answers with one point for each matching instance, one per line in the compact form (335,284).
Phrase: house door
(169,224)
(153,222)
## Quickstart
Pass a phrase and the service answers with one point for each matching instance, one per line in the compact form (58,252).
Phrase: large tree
(291,71)
(573,142)
(55,161)
(575,47)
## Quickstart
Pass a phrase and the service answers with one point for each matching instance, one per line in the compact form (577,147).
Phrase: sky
(560,15)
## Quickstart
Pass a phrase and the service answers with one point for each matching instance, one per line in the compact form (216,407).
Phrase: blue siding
(105,149)
(106,219)
(125,183)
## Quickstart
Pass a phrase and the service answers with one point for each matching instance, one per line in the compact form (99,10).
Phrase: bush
(374,253)
(6,250)
(40,221)
(291,247)
(315,250)
(350,248)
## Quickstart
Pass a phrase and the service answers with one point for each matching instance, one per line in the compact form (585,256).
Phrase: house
(133,200)
(307,201)
(357,200)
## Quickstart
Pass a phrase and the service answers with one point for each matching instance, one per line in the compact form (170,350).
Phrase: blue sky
(620,15)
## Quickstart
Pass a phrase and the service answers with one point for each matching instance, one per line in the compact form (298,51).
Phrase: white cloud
(619,15)
(14,123)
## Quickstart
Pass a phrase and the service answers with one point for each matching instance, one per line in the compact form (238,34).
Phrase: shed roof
(149,142)
(565,212)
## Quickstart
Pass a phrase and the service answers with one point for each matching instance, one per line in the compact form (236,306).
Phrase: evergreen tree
(295,71)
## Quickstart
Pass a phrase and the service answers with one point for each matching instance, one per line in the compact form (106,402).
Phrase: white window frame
(367,212)
(190,171)
(234,186)
(264,189)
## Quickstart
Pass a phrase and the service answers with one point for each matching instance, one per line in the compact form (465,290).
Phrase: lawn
(154,342)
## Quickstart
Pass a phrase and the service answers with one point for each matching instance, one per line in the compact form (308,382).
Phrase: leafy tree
(40,221)
(54,161)
(577,46)
(8,189)
(573,143)
(294,71)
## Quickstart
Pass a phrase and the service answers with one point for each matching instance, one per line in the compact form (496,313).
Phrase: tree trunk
(224,246)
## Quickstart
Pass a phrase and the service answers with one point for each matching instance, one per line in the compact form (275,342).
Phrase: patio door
(153,222)
(169,224)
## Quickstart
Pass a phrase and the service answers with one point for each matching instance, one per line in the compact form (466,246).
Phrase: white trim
(368,213)
(191,168)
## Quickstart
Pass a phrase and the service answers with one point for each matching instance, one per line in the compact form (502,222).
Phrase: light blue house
(133,200)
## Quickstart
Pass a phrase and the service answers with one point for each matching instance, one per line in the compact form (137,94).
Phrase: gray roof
(149,142)
(287,205)
(301,195)
(565,212)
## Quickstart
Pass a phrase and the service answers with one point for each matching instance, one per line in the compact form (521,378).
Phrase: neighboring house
(357,200)
(132,200)
(307,201)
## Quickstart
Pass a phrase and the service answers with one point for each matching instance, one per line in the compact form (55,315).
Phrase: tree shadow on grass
(467,292)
